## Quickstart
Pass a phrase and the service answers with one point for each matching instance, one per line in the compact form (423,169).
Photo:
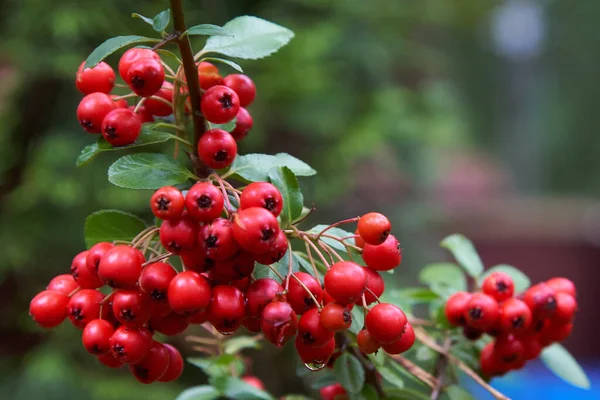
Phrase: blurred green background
(448,115)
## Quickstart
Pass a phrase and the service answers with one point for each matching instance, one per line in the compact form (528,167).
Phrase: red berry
(560,332)
(481,311)
(255,229)
(243,86)
(84,277)
(259,294)
(385,323)
(208,75)
(63,283)
(358,240)
(262,194)
(216,241)
(456,305)
(383,257)
(121,127)
(217,148)
(403,344)
(562,285)
(132,307)
(310,330)
(100,78)
(335,317)
(314,355)
(120,267)
(515,316)
(175,367)
(278,322)
(375,286)
(532,348)
(196,261)
(366,343)
(155,280)
(566,306)
(498,285)
(374,228)
(130,345)
(131,56)
(84,306)
(160,108)
(143,113)
(92,109)
(96,336)
(277,251)
(251,324)
(178,234)
(171,324)
(345,281)
(95,254)
(188,293)
(243,124)
(472,333)
(219,104)
(333,392)
(541,300)
(509,349)
(109,360)
(227,309)
(146,76)
(153,366)
(120,103)
(488,361)
(254,381)
(204,202)
(49,308)
(300,300)
(167,203)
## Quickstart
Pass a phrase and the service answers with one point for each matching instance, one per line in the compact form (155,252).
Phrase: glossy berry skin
(121,127)
(385,256)
(84,277)
(509,349)
(208,75)
(345,281)
(310,330)
(167,203)
(255,229)
(260,293)
(333,392)
(92,109)
(456,306)
(155,279)
(358,240)
(314,355)
(488,361)
(178,234)
(204,202)
(131,307)
(566,306)
(481,311)
(385,323)
(498,285)
(403,344)
(277,251)
(216,241)
(264,195)
(374,228)
(366,343)
(278,322)
(217,148)
(243,86)
(95,254)
(541,300)
(130,345)
(334,317)
(226,309)
(100,78)
(188,293)
(562,285)
(84,306)
(157,107)
(243,124)
(131,56)
(515,316)
(49,308)
(175,367)
(146,76)
(143,113)
(219,104)
(96,336)
(153,366)
(64,284)
(120,103)
(120,267)
(299,299)
(109,360)
(375,286)
(195,261)
(171,324)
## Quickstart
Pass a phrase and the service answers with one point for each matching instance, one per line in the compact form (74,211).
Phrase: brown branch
(440,370)
(415,370)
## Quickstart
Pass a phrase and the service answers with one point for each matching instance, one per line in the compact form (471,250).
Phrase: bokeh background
(478,117)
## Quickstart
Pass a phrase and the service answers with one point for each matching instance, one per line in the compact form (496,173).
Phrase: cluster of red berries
(223,99)
(522,325)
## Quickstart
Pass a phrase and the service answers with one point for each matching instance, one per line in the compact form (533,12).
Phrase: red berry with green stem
(243,124)
(562,285)
(167,203)
(260,293)
(374,228)
(130,345)
(158,107)
(171,324)
(227,309)
(204,202)
(243,86)
(153,366)
(481,311)
(255,229)
(541,300)
(131,307)
(277,251)
(188,293)
(310,330)
(49,308)
(335,317)
(345,281)
(143,113)
(217,148)
(375,286)
(92,109)
(95,254)
(121,127)
(403,344)
(300,300)
(85,278)
(84,306)
(146,76)
(100,78)
(333,392)
(120,267)
(179,234)
(219,104)
(216,241)
(64,284)
(264,195)
(566,306)
(155,279)
(120,103)
(385,256)
(385,323)
(314,355)
(515,316)
(109,360)
(278,321)
(96,336)
(131,56)
(175,367)
(366,343)
(498,285)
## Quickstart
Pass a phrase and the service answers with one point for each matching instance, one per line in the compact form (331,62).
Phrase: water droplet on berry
(315,366)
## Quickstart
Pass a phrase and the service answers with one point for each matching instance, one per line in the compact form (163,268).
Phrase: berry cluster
(223,100)
(521,325)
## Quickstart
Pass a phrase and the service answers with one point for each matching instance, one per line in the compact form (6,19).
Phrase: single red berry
(472,333)
(481,311)
(121,127)
(254,381)
(243,124)
(100,78)
(208,75)
(204,202)
(243,86)
(333,392)
(374,228)
(153,366)
(160,108)
(531,348)
(259,294)
(130,345)
(385,256)
(188,293)
(515,316)
(109,360)
(541,300)
(566,306)
(146,76)
(49,308)
(278,322)
(84,306)
(276,252)
(220,104)
(264,195)
(196,261)
(375,286)
(95,254)
(314,355)
(310,330)
(509,349)
(217,148)
(498,285)
(171,324)
(335,317)
(456,305)
(385,323)
(120,103)
(300,300)
(226,309)
(179,234)
(175,367)
(345,281)
(403,344)
(155,279)
(84,277)
(92,109)
(120,267)
(216,241)
(255,229)
(63,283)
(132,307)
(96,336)
(563,285)
(131,56)
(366,343)
(167,203)
(488,362)
(143,113)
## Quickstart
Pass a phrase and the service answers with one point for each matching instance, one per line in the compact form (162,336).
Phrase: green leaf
(443,278)
(405,394)
(336,232)
(424,353)
(325,378)
(224,61)
(208,30)
(391,376)
(204,392)
(305,264)
(438,315)
(256,167)
(147,171)
(521,281)
(238,343)
(368,393)
(170,55)
(465,253)
(109,225)
(562,363)
(112,45)
(358,320)
(298,167)
(349,373)
(284,179)
(147,20)
(213,366)
(227,127)
(161,20)
(237,389)
(253,38)
(455,392)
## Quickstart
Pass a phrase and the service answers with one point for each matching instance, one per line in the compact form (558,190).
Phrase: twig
(156,259)
(345,221)
(290,267)
(312,262)
(415,370)
(329,249)
(440,370)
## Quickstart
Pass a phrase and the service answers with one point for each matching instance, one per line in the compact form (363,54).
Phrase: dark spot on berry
(347,316)
(211,241)
(384,235)
(86,124)
(472,334)
(270,203)
(308,338)
(110,282)
(462,320)
(110,131)
(162,203)
(518,322)
(127,315)
(550,303)
(174,247)
(209,263)
(137,82)
(539,325)
(118,349)
(77,314)
(75,273)
(510,358)
(204,201)
(220,155)
(158,295)
(475,313)
(141,371)
(501,286)
(96,349)
(267,234)
(309,302)
(226,102)
(229,323)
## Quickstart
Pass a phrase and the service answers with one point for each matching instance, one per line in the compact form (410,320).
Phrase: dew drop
(315,366)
